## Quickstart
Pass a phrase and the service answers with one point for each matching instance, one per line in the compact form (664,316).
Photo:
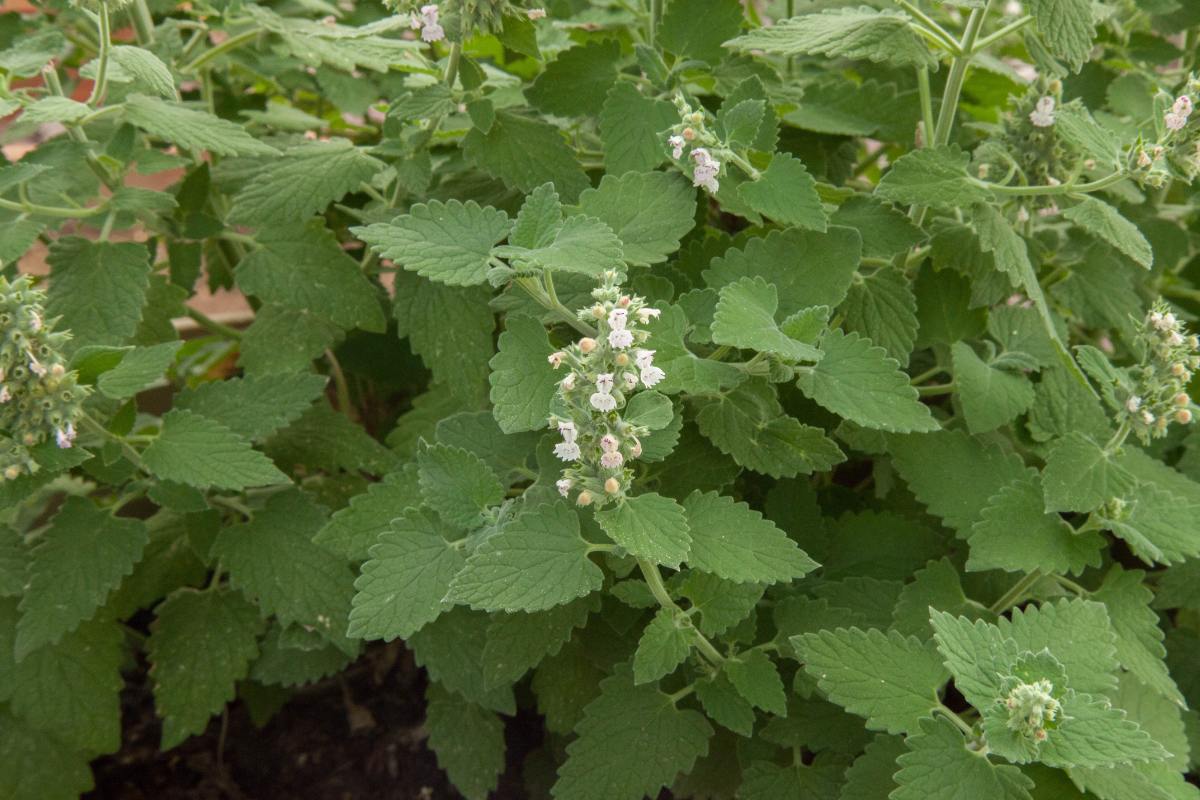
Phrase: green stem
(926,103)
(1118,438)
(1016,593)
(129,450)
(1012,27)
(655,16)
(452,62)
(1071,585)
(966,729)
(341,387)
(744,165)
(942,35)
(143,22)
(927,374)
(232,43)
(58,212)
(1062,188)
(101,84)
(937,390)
(212,325)
(537,291)
(958,74)
(659,590)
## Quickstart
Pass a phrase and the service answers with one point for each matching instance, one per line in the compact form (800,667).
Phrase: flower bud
(624,301)
(689,134)
(612,486)
(584,499)
(1181,399)
(1183,416)
(587,344)
(622,359)
(12,472)
(598,311)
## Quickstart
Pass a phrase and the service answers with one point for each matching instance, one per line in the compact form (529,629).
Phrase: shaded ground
(354,737)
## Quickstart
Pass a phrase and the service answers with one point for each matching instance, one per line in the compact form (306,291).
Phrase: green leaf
(579,244)
(756,679)
(808,268)
(858,33)
(1106,223)
(537,561)
(786,193)
(97,288)
(35,765)
(665,644)
(890,679)
(1157,525)
(408,573)
(325,439)
(307,587)
(748,424)
(29,53)
(1139,639)
(698,28)
(939,765)
(81,557)
(303,182)
(577,81)
(446,242)
(1066,26)
(519,642)
(858,381)
(938,585)
(1076,632)
(253,407)
(944,308)
(648,211)
(282,340)
(1094,734)
(1081,476)
(932,176)
(525,153)
(201,644)
(1015,533)
(766,780)
(1074,124)
(71,689)
(721,603)
(451,650)
(882,307)
(145,68)
(649,409)
(976,653)
(632,742)
(735,542)
(523,382)
(649,526)
(305,268)
(630,124)
(468,741)
(352,530)
(139,368)
(55,109)
(724,705)
(192,129)
(203,453)
(745,317)
(870,778)
(953,474)
(458,485)
(990,397)
(282,664)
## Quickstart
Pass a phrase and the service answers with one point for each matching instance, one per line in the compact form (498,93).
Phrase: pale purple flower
(4,394)
(568,431)
(1133,403)
(644,358)
(647,313)
(427,21)
(556,358)
(630,380)
(536,13)
(65,437)
(604,382)
(617,318)
(652,375)
(36,367)
(705,171)
(1043,115)
(612,460)
(602,401)
(568,383)
(620,338)
(564,486)
(609,443)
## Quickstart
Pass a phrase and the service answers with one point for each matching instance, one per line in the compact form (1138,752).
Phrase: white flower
(676,143)
(1049,211)
(1022,214)
(568,431)
(603,401)
(568,383)
(1175,122)
(617,319)
(65,437)
(1013,9)
(630,380)
(636,450)
(1143,159)
(35,321)
(706,170)
(612,460)
(644,358)
(4,395)
(1043,115)
(564,486)
(1182,105)
(1147,418)
(567,451)
(1174,339)
(1133,403)
(652,375)
(604,382)
(556,359)
(620,338)
(609,443)
(647,313)
(536,13)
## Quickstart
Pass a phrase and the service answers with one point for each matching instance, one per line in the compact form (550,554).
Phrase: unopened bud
(598,311)
(612,486)
(622,359)
(624,301)
(1183,416)
(12,472)
(585,498)
(1182,399)
(587,344)
(689,134)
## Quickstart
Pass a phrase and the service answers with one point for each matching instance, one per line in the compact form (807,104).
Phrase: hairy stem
(659,590)
(1016,593)
(105,32)
(232,43)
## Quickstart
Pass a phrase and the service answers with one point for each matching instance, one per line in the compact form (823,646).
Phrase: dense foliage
(787,400)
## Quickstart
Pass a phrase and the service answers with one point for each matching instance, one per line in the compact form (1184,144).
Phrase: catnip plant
(771,399)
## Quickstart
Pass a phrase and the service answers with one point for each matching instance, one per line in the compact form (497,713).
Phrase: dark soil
(357,736)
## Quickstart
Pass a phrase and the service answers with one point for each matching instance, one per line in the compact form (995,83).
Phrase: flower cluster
(692,133)
(1027,148)
(1032,709)
(39,398)
(604,372)
(1158,395)
(427,21)
(1042,115)
(1177,118)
